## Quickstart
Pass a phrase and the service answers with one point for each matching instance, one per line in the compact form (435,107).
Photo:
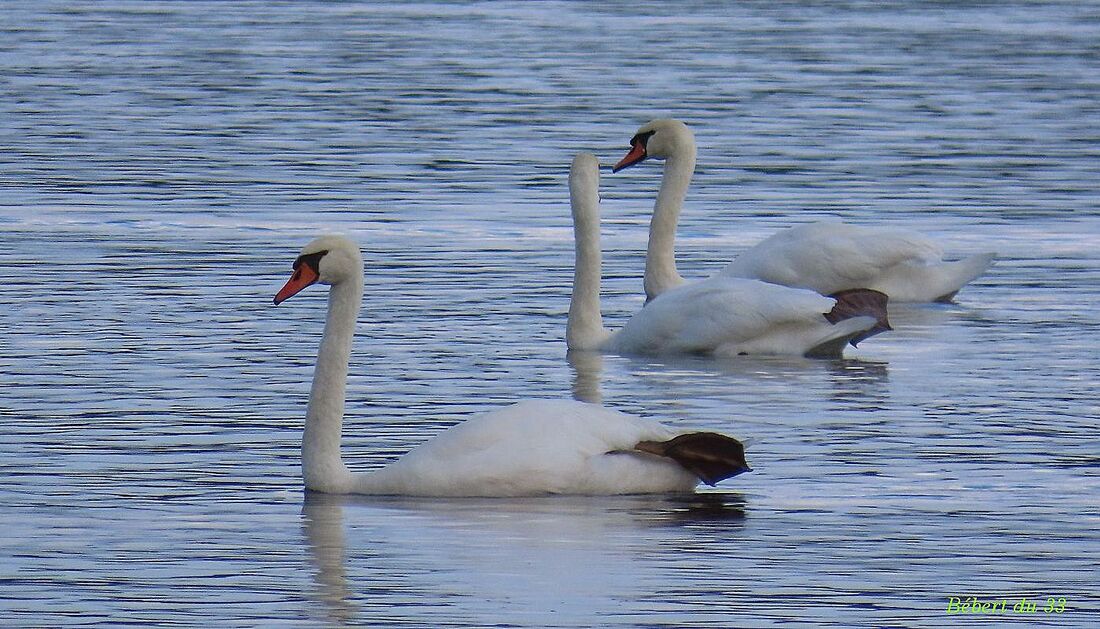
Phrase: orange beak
(303,276)
(637,154)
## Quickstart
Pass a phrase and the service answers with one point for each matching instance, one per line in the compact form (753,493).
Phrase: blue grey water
(163,162)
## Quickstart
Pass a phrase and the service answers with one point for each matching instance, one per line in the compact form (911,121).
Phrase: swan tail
(861,302)
(962,273)
(710,456)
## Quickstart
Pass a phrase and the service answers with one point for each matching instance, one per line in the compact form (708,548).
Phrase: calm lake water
(163,163)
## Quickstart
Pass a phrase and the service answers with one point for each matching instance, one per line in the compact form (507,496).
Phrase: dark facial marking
(312,260)
(642,138)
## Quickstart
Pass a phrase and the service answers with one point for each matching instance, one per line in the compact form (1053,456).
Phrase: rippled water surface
(163,163)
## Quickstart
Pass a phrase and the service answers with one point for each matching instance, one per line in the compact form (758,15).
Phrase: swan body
(826,257)
(732,317)
(536,446)
(831,256)
(533,447)
(720,316)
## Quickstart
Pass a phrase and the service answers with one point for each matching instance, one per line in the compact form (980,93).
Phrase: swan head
(661,138)
(326,260)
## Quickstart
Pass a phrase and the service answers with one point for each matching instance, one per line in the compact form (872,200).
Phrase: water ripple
(165,161)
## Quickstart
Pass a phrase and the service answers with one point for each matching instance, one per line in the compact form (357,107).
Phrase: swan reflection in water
(323,527)
(587,367)
(508,549)
(851,382)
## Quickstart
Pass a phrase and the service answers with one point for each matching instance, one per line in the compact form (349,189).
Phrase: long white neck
(322,467)
(584,329)
(660,261)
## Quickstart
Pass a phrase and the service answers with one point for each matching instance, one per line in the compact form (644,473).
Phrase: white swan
(827,256)
(533,447)
(721,316)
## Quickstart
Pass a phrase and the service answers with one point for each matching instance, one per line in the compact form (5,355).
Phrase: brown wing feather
(860,302)
(710,456)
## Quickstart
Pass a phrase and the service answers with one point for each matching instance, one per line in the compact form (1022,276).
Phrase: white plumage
(720,316)
(730,317)
(831,256)
(533,447)
(826,257)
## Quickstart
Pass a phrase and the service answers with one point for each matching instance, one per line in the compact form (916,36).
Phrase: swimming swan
(720,316)
(533,447)
(828,256)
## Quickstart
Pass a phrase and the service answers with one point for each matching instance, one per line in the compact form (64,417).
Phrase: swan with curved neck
(827,256)
(533,447)
(723,317)
(718,316)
